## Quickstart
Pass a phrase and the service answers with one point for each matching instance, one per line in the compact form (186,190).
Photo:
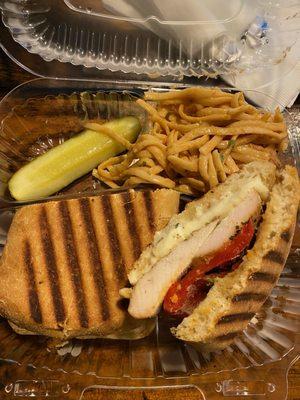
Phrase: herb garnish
(231,143)
(211,280)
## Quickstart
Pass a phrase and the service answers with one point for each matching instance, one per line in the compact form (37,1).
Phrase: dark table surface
(10,76)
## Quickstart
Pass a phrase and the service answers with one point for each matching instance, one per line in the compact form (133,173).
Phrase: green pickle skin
(63,164)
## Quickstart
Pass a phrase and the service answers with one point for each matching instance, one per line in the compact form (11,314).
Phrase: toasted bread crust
(235,299)
(65,261)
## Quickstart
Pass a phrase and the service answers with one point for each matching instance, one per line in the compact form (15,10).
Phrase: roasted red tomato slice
(231,250)
(183,296)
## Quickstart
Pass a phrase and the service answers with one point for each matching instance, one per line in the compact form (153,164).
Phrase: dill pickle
(61,165)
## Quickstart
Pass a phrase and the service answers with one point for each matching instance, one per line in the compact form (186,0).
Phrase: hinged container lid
(156,39)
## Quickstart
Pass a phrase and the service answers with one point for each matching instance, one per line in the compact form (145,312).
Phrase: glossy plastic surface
(43,113)
(95,34)
(21,382)
(254,365)
(160,11)
(35,125)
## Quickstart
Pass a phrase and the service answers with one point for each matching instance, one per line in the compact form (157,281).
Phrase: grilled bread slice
(65,261)
(234,299)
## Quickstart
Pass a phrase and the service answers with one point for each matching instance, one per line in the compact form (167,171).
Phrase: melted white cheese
(176,231)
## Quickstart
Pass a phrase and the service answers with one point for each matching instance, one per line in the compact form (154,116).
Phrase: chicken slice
(150,290)
(248,208)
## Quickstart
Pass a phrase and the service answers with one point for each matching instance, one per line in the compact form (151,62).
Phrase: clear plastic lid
(164,12)
(153,37)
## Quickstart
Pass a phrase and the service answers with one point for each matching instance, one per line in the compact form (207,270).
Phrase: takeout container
(154,37)
(41,114)
(159,360)
(35,125)
(74,41)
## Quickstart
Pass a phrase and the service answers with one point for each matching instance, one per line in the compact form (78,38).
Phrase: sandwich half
(65,261)
(213,265)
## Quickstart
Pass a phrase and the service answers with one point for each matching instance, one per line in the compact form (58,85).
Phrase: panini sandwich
(65,261)
(214,265)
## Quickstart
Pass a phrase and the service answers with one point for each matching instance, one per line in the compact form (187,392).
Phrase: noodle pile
(198,137)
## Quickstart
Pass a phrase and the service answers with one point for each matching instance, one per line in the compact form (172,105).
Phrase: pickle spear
(63,164)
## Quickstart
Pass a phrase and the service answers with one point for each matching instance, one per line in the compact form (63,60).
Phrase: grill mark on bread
(226,319)
(73,264)
(51,266)
(113,241)
(249,296)
(34,304)
(227,336)
(132,224)
(95,258)
(263,277)
(150,210)
(286,235)
(274,256)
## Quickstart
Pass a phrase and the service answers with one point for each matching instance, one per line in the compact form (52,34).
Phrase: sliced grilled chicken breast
(216,204)
(248,208)
(149,292)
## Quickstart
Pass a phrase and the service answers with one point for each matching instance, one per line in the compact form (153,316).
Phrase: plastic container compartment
(59,117)
(255,365)
(156,37)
